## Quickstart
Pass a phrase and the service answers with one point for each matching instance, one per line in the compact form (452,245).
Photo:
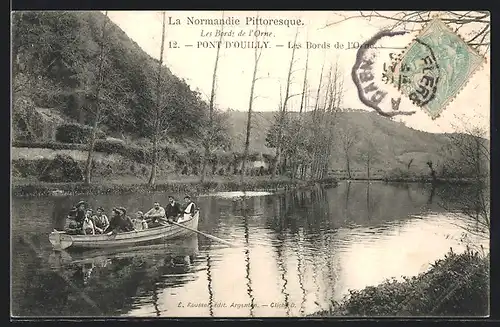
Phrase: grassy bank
(186,185)
(457,285)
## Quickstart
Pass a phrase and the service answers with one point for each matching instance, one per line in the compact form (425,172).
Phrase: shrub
(457,285)
(62,169)
(76,133)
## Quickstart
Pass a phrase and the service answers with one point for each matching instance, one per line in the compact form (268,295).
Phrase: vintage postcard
(250,164)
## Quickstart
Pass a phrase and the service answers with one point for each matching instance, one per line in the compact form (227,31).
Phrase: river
(295,252)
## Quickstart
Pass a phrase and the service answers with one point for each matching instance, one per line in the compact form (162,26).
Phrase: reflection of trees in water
(209,285)
(471,201)
(280,261)
(301,271)
(247,268)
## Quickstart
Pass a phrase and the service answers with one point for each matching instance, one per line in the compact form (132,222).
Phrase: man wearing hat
(120,222)
(78,214)
(189,210)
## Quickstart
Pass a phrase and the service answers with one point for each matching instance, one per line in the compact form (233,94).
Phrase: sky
(195,64)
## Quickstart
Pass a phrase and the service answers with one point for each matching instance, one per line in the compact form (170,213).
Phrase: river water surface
(294,252)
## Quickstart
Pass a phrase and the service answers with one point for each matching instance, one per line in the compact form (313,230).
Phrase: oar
(201,233)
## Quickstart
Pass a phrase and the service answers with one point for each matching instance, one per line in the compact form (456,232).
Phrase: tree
(348,138)
(257,54)
(103,88)
(473,151)
(211,106)
(283,109)
(369,156)
(159,123)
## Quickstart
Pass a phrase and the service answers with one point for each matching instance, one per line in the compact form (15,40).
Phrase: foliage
(75,133)
(62,169)
(62,47)
(457,285)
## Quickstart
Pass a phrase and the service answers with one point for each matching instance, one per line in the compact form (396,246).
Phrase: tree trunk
(90,154)
(368,168)
(283,110)
(97,107)
(158,114)
(211,109)
(154,163)
(348,165)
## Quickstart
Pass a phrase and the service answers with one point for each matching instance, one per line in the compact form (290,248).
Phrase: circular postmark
(416,73)
(371,91)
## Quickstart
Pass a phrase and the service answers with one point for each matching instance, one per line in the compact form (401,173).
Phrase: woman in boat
(101,221)
(77,213)
(190,209)
(88,224)
(139,221)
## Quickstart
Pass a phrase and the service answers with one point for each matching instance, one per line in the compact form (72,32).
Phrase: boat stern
(60,240)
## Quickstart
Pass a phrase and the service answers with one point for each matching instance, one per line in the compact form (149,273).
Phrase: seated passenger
(139,221)
(88,225)
(189,210)
(77,214)
(154,215)
(120,222)
(101,221)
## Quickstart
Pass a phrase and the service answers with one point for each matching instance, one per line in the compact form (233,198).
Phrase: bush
(62,169)
(76,133)
(49,145)
(457,285)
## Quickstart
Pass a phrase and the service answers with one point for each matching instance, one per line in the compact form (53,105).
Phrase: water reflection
(296,251)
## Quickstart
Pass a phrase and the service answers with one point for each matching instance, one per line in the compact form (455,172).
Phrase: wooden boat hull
(61,240)
(179,247)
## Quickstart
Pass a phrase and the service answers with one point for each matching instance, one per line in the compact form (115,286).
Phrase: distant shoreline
(36,189)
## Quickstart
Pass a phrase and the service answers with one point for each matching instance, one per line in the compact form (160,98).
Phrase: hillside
(55,61)
(395,143)
(57,58)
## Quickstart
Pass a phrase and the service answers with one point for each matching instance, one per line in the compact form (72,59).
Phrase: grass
(457,285)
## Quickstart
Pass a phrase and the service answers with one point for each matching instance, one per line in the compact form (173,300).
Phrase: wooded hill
(54,69)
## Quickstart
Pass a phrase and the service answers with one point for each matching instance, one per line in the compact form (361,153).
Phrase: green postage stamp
(435,67)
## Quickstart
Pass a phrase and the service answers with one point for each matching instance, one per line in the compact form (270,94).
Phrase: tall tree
(206,140)
(368,156)
(98,112)
(282,112)
(348,138)
(257,54)
(159,122)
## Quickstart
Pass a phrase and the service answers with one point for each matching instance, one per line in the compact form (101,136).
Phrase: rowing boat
(186,246)
(61,240)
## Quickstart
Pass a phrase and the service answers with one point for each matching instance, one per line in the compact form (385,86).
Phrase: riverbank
(190,185)
(457,285)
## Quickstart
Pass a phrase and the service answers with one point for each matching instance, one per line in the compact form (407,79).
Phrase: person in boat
(173,209)
(139,221)
(190,209)
(77,213)
(101,221)
(120,222)
(154,215)
(88,224)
